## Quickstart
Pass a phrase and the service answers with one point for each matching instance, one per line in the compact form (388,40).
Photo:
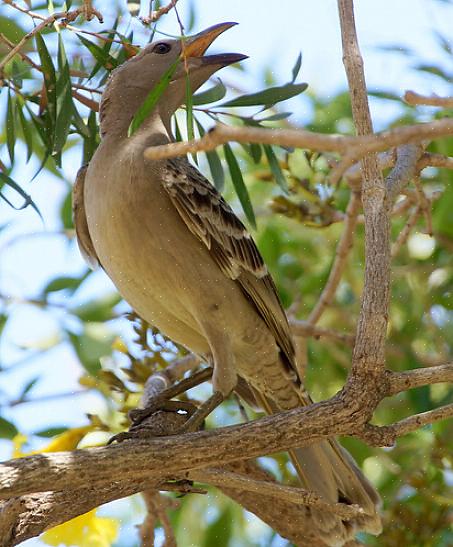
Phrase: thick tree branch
(368,361)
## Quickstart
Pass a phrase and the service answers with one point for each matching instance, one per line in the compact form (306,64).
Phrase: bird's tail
(329,470)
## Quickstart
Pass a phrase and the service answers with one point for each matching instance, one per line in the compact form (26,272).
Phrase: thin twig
(354,148)
(424,205)
(67,16)
(414,99)
(341,255)
(402,381)
(405,232)
(155,15)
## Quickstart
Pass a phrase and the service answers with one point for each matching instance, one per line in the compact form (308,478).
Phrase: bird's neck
(118,109)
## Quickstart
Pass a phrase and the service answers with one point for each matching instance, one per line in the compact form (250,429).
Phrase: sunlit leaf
(239,185)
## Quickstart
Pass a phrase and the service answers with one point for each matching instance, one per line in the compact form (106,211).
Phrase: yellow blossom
(87,530)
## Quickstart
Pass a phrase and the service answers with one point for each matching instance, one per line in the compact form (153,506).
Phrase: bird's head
(130,84)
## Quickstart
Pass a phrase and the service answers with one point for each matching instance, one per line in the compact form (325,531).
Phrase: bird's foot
(196,421)
(156,403)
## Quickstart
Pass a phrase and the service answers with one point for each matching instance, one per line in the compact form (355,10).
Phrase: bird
(185,262)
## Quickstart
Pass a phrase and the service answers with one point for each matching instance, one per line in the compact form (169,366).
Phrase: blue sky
(272,34)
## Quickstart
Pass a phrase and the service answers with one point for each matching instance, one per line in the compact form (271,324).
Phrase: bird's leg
(195,422)
(159,402)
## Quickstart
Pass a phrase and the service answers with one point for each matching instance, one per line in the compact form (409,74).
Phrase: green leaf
(256,152)
(178,135)
(153,97)
(102,56)
(435,71)
(189,114)
(28,138)
(215,93)
(275,117)
(275,168)
(90,346)
(7,429)
(28,387)
(220,530)
(4,179)
(296,68)
(90,143)
(50,432)
(98,310)
(105,50)
(239,185)
(64,100)
(10,127)
(65,283)
(50,80)
(268,97)
(214,162)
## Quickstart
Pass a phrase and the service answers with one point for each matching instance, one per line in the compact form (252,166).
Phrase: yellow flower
(61,443)
(87,530)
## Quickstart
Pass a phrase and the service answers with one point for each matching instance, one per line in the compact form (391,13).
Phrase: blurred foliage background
(73,360)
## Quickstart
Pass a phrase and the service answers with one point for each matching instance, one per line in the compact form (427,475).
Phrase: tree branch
(356,147)
(413,99)
(341,255)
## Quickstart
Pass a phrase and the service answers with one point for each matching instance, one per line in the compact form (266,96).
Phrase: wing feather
(209,217)
(80,221)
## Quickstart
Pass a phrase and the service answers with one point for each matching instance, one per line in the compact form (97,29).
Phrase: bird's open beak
(196,46)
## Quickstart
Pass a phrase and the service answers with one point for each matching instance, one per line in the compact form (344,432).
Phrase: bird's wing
(209,217)
(80,221)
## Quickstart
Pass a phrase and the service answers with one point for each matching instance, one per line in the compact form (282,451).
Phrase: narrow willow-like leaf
(90,143)
(8,181)
(215,93)
(214,162)
(10,127)
(239,185)
(151,100)
(296,68)
(189,115)
(28,137)
(50,114)
(105,50)
(268,97)
(256,151)
(64,100)
(101,56)
(275,168)
(178,135)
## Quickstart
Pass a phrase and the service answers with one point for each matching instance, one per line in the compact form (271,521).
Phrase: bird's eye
(161,48)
